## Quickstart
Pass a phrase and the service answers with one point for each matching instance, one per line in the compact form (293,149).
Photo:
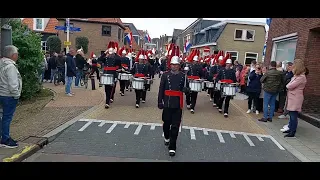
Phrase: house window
(106,30)
(284,50)
(244,34)
(44,46)
(234,55)
(39,23)
(70,25)
(119,34)
(136,38)
(250,56)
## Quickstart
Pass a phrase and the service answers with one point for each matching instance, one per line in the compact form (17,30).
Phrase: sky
(162,26)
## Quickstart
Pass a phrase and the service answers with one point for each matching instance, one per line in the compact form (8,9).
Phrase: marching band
(179,75)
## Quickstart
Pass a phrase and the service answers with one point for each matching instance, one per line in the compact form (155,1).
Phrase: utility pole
(68,33)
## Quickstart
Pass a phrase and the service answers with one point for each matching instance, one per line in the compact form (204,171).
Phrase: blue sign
(268,21)
(64,28)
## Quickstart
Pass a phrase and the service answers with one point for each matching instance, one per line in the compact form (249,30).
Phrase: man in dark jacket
(71,71)
(80,62)
(53,65)
(61,60)
(254,88)
(272,83)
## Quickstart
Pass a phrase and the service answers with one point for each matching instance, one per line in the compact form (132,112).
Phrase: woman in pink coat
(295,95)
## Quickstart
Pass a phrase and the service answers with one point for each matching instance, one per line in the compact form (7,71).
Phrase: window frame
(245,57)
(233,52)
(244,35)
(103,26)
(35,24)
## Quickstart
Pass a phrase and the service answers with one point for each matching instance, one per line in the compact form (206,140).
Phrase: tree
(82,42)
(30,57)
(54,44)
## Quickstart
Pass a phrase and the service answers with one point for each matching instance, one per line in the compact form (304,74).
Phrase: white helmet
(129,55)
(149,54)
(229,61)
(111,50)
(141,56)
(175,60)
(195,58)
(124,52)
(94,56)
(220,58)
(166,54)
(145,57)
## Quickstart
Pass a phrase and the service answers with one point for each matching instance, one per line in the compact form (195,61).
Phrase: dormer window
(38,24)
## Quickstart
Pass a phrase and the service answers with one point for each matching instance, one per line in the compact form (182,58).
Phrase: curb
(25,153)
(310,119)
(54,93)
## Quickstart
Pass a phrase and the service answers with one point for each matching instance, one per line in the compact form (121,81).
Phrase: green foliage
(82,42)
(30,57)
(54,44)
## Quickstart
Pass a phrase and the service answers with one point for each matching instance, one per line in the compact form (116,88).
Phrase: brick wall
(93,31)
(308,46)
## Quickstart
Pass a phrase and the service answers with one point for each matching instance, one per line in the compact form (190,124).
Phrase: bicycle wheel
(86,81)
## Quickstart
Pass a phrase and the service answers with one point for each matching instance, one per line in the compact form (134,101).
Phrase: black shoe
(172,152)
(289,135)
(107,106)
(263,120)
(287,131)
(269,119)
(166,142)
(9,143)
(122,94)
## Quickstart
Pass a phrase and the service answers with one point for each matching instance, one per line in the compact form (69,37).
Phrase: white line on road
(205,132)
(260,138)
(276,142)
(220,137)
(102,123)
(85,126)
(248,140)
(111,128)
(232,135)
(138,129)
(192,134)
(127,125)
(153,127)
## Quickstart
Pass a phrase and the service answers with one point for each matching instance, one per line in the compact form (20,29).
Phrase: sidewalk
(57,112)
(306,144)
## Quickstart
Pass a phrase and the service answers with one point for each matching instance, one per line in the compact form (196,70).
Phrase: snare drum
(229,89)
(148,81)
(195,85)
(125,77)
(209,84)
(218,86)
(138,83)
(107,79)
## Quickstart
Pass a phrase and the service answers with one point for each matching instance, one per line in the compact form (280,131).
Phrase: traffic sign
(66,43)
(64,28)
(75,29)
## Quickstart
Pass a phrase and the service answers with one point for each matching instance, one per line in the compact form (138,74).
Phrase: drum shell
(148,81)
(138,83)
(107,79)
(124,76)
(229,90)
(218,86)
(195,85)
(209,84)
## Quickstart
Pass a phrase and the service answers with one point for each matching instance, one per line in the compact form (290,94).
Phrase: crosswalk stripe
(127,125)
(205,132)
(248,140)
(102,123)
(232,135)
(152,127)
(85,126)
(111,128)
(220,137)
(192,134)
(138,129)
(260,138)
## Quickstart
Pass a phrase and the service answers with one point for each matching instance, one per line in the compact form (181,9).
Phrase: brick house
(99,31)
(243,40)
(291,38)
(44,26)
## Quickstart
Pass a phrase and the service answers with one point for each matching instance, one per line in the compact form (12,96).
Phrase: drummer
(226,75)
(125,63)
(111,65)
(215,70)
(212,70)
(147,61)
(139,70)
(194,72)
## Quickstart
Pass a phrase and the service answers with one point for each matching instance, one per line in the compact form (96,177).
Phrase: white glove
(115,79)
(161,72)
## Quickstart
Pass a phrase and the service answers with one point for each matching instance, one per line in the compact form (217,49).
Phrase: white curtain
(286,50)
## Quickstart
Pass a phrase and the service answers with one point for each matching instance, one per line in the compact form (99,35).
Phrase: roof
(176,32)
(50,28)
(116,21)
(234,22)
(133,28)
(216,32)
(206,23)
(192,24)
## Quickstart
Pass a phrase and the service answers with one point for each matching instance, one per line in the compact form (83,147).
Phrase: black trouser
(171,117)
(127,84)
(61,70)
(216,97)
(260,106)
(109,90)
(226,103)
(152,73)
(138,95)
(253,97)
(211,92)
(144,92)
(123,84)
(95,70)
(282,99)
(191,99)
(114,90)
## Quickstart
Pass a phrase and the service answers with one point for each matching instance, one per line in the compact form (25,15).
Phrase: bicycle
(86,76)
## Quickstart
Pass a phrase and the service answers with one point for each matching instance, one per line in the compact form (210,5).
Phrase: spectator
(288,76)
(272,81)
(295,95)
(10,91)
(53,65)
(71,71)
(44,67)
(61,60)
(243,74)
(238,65)
(47,73)
(80,62)
(254,88)
(260,101)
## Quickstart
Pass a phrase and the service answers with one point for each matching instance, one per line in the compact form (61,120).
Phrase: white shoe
(137,105)
(208,94)
(107,106)
(143,101)
(69,94)
(286,126)
(283,116)
(172,152)
(284,129)
(210,100)
(188,106)
(225,114)
(249,111)
(192,111)
(214,105)
(257,112)
(111,100)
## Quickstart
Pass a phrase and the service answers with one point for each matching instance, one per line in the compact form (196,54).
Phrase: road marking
(86,125)
(127,125)
(153,127)
(102,123)
(220,137)
(192,134)
(162,134)
(111,128)
(138,129)
(260,138)
(232,135)
(248,140)
(205,132)
(276,142)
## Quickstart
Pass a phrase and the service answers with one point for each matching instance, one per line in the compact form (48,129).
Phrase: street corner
(18,154)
